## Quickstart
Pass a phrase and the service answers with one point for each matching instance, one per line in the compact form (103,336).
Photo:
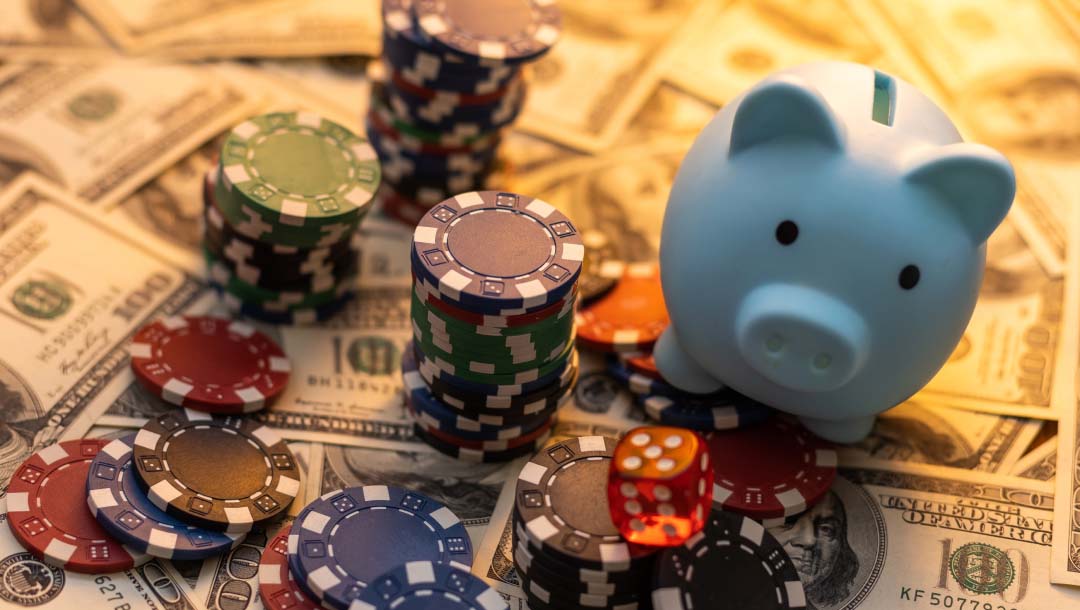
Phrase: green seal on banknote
(43,300)
(982,568)
(95,105)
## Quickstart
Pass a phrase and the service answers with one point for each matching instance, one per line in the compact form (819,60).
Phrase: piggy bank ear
(784,106)
(976,181)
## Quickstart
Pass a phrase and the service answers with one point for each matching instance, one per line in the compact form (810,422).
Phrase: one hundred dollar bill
(72,292)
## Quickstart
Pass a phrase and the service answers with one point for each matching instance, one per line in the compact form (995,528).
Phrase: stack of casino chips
(493,352)
(566,548)
(281,212)
(453,82)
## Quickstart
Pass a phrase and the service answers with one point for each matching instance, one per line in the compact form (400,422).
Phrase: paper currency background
(109,110)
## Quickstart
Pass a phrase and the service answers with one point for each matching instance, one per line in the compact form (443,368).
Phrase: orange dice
(660,485)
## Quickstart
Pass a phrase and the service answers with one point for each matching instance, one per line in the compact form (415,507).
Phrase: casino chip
(773,470)
(423,585)
(209,364)
(463,419)
(490,251)
(525,385)
(341,543)
(562,504)
(220,473)
(293,316)
(733,563)
(585,580)
(630,318)
(498,30)
(297,169)
(531,438)
(277,588)
(505,408)
(46,506)
(638,383)
(124,510)
(722,410)
(571,585)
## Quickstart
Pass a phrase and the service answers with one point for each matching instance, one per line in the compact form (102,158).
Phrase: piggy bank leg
(679,369)
(840,431)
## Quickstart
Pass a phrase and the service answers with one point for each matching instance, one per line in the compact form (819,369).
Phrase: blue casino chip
(511,31)
(506,407)
(722,410)
(126,513)
(418,61)
(423,68)
(641,385)
(422,585)
(343,542)
(438,115)
(433,413)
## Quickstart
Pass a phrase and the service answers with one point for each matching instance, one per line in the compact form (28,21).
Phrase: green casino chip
(554,325)
(471,370)
(298,169)
(247,221)
(498,359)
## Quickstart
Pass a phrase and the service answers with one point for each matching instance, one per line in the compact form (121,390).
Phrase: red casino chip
(429,294)
(277,588)
(47,511)
(773,470)
(630,318)
(457,99)
(209,364)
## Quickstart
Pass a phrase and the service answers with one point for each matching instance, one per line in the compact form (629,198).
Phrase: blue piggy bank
(824,244)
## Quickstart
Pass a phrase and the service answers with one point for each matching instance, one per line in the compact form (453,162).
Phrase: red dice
(660,485)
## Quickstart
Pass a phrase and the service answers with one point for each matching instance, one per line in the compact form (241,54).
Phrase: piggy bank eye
(909,277)
(787,232)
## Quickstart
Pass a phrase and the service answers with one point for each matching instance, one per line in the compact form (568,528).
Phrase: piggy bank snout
(801,338)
